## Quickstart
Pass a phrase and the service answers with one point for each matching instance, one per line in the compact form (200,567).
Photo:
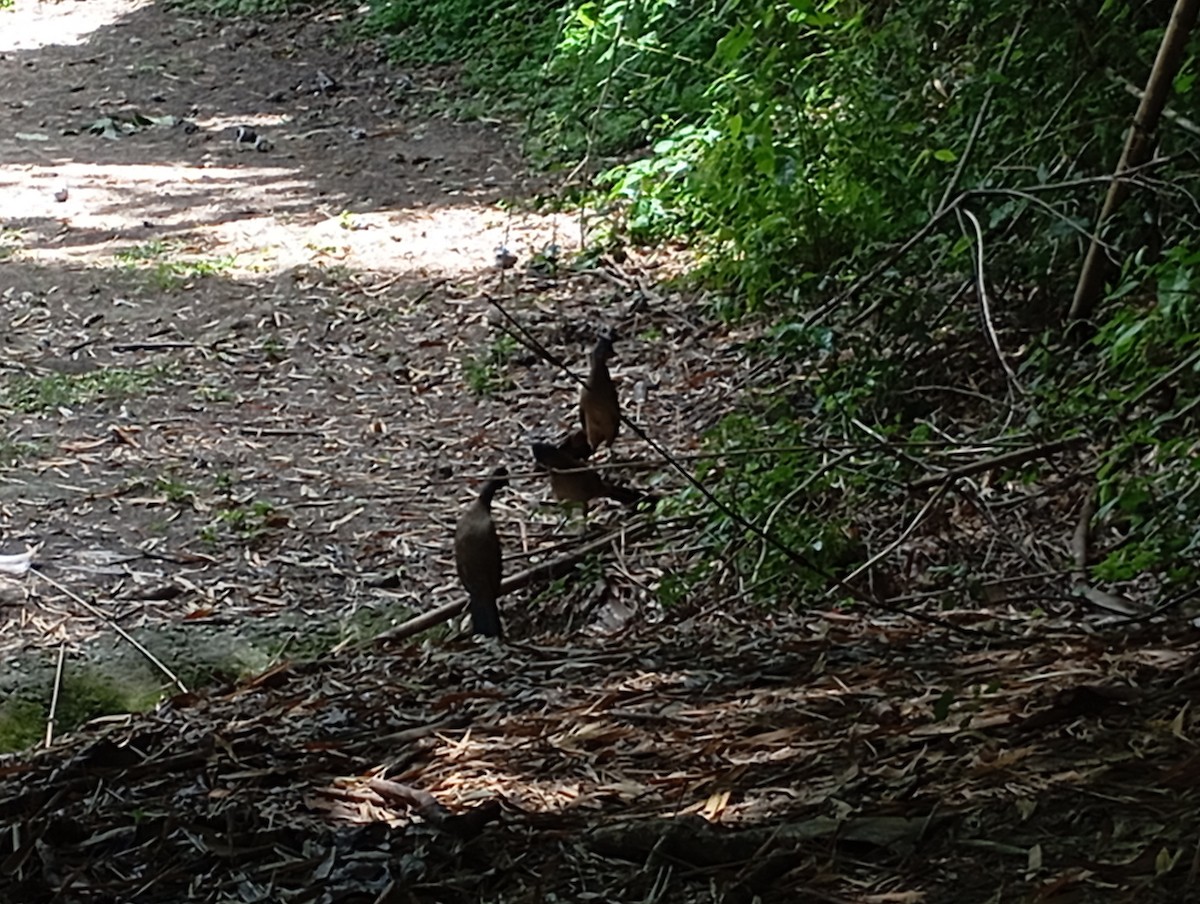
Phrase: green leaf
(941,707)
(586,14)
(736,40)
(1123,343)
(764,158)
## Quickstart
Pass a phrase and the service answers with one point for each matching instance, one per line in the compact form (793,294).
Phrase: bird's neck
(488,491)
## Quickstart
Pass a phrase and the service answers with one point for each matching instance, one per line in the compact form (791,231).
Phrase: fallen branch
(904,535)
(151,346)
(543,571)
(422,622)
(58,673)
(1081,539)
(560,565)
(278,431)
(464,825)
(1006,460)
(1140,142)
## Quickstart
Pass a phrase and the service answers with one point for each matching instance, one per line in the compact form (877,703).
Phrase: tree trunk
(1138,145)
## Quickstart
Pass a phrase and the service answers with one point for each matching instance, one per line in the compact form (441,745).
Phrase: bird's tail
(485,617)
(628,495)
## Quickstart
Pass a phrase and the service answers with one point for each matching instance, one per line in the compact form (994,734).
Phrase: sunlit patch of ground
(29,25)
(276,224)
(369,177)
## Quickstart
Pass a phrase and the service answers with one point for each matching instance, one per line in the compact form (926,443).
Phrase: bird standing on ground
(505,259)
(572,481)
(576,445)
(478,557)
(598,406)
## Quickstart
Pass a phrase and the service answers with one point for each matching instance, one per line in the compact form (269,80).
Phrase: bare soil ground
(242,403)
(246,384)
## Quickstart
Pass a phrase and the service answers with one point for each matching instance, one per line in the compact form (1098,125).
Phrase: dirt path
(250,385)
(367,169)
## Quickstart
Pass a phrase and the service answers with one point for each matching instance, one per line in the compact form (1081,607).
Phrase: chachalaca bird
(572,481)
(576,445)
(599,409)
(477,555)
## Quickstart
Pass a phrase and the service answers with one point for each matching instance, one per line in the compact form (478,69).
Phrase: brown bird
(477,555)
(599,409)
(576,445)
(572,481)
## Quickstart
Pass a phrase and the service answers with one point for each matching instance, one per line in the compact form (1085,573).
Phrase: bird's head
(603,349)
(499,478)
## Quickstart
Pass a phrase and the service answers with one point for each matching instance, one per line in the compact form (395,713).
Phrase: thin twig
(1161,608)
(796,557)
(799,488)
(1068,222)
(125,635)
(904,535)
(632,530)
(977,126)
(151,346)
(58,673)
(1165,378)
(984,307)
(1081,539)
(863,281)
(1007,459)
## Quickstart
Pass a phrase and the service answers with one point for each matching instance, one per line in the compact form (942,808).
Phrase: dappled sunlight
(280,221)
(222,123)
(30,26)
(660,742)
(121,137)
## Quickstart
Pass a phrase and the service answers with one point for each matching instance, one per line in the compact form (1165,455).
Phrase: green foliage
(174,491)
(795,136)
(22,724)
(674,587)
(89,694)
(623,70)
(782,485)
(33,394)
(502,43)
(86,694)
(240,521)
(154,260)
(11,241)
(210,393)
(647,192)
(484,373)
(1141,393)
(273,349)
